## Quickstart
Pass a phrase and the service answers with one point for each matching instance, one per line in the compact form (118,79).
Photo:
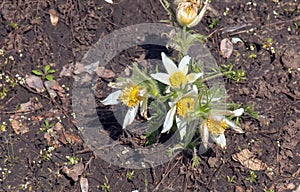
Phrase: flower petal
(220,140)
(162,77)
(199,16)
(184,64)
(192,77)
(238,112)
(169,64)
(181,125)
(169,119)
(234,126)
(204,134)
(130,116)
(112,99)
(143,108)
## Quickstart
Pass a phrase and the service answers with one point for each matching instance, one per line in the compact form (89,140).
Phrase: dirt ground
(32,158)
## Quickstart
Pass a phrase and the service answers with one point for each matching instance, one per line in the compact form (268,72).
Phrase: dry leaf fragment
(70,138)
(29,106)
(67,70)
(247,159)
(74,172)
(17,125)
(105,73)
(53,137)
(226,48)
(239,189)
(84,184)
(35,82)
(53,17)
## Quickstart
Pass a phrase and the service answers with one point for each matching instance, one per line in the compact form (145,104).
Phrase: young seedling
(237,75)
(72,160)
(106,187)
(195,159)
(46,74)
(130,175)
(252,177)
(251,112)
(214,23)
(46,126)
(231,179)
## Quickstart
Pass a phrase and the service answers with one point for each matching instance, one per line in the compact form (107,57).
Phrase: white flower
(132,96)
(176,77)
(215,125)
(181,108)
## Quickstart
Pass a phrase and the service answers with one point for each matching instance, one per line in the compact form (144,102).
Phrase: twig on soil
(166,174)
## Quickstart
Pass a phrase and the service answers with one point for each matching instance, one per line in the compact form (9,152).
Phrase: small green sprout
(46,126)
(47,153)
(268,43)
(45,74)
(130,175)
(231,179)
(3,127)
(106,187)
(214,23)
(252,56)
(195,159)
(13,25)
(252,177)
(251,112)
(72,160)
(237,75)
(269,190)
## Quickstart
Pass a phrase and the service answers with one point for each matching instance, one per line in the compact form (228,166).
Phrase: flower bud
(190,12)
(186,13)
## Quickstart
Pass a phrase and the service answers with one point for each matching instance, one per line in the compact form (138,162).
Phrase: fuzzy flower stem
(216,75)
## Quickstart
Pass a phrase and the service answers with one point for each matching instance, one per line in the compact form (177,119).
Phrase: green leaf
(49,77)
(37,72)
(50,71)
(46,68)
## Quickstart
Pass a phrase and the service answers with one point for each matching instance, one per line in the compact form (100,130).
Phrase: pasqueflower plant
(181,88)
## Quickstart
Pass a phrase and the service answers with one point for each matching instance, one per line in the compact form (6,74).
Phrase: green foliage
(130,175)
(13,25)
(47,153)
(237,75)
(252,177)
(105,186)
(72,160)
(214,23)
(231,179)
(46,126)
(269,190)
(195,159)
(250,111)
(46,74)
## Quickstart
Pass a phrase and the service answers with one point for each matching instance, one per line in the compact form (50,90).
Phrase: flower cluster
(182,88)
(179,89)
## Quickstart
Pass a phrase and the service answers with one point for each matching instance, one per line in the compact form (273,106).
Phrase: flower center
(185,106)
(130,96)
(216,127)
(177,79)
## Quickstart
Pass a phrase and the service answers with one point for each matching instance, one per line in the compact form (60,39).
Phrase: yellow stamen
(185,106)
(130,96)
(177,79)
(216,127)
